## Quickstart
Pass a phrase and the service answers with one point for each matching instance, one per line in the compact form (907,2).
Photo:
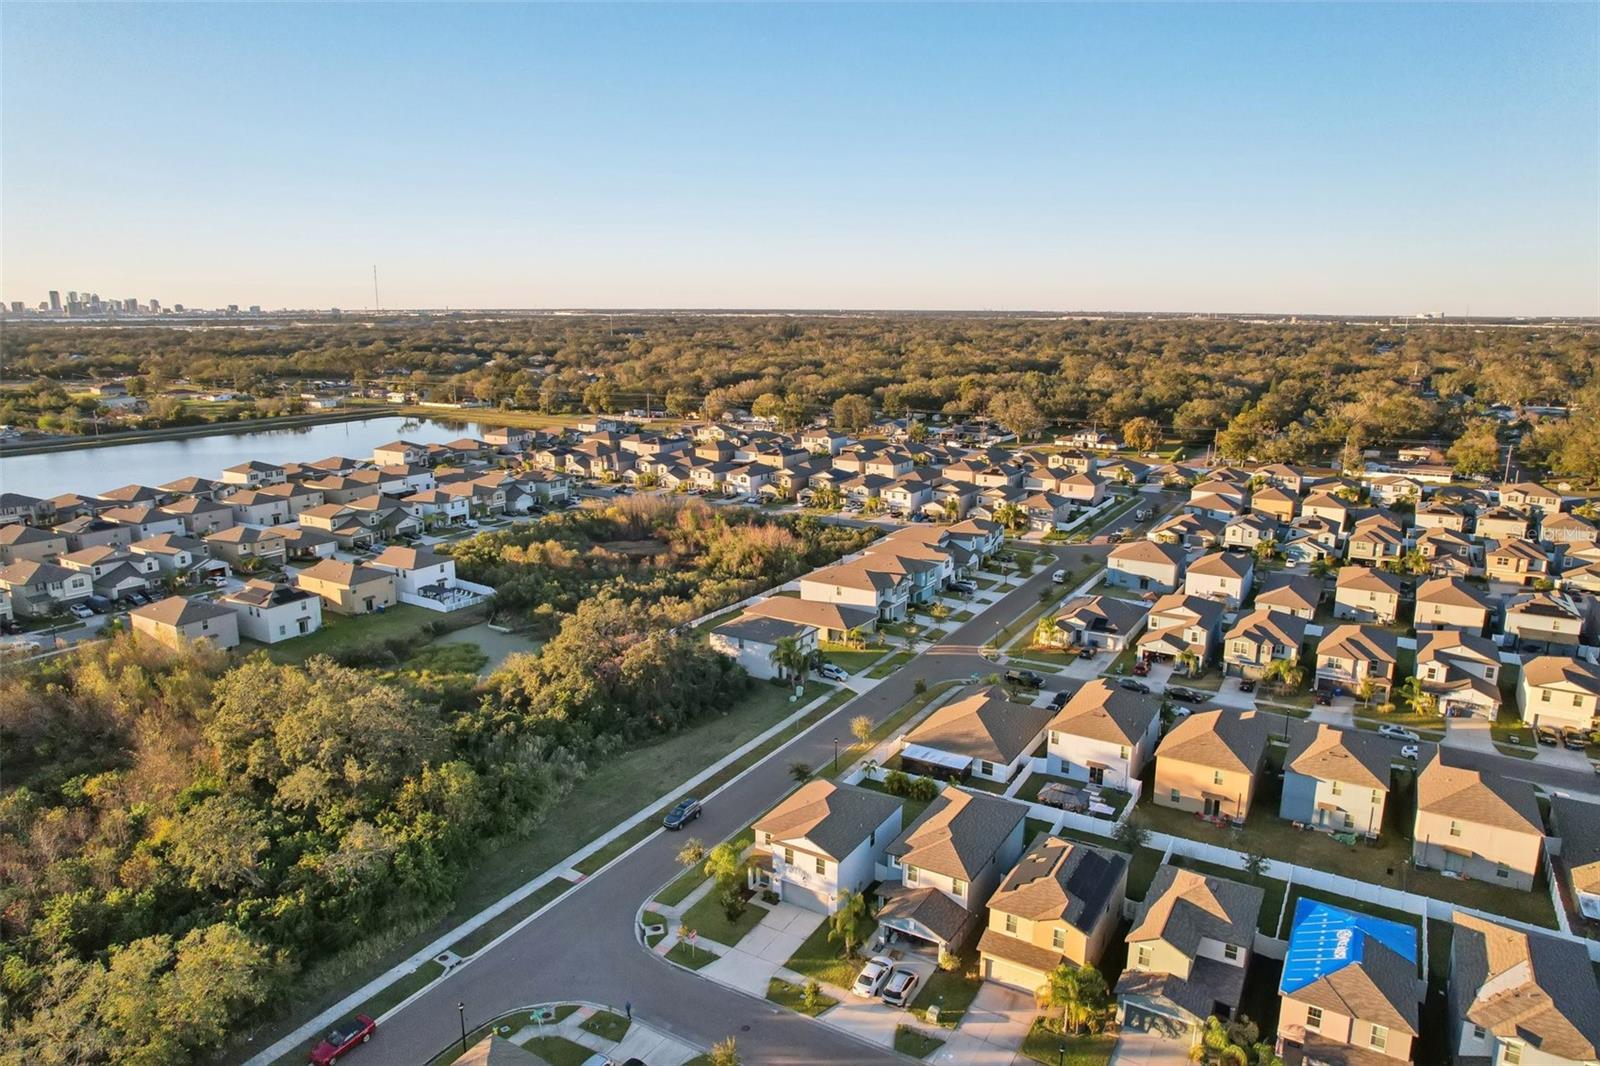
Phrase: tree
(726,1053)
(1417,698)
(1080,993)
(1017,412)
(800,771)
(599,397)
(725,866)
(768,405)
(916,431)
(1011,516)
(693,852)
(1189,659)
(852,413)
(1477,450)
(811,996)
(1353,458)
(1141,434)
(861,728)
(1286,672)
(850,921)
(790,658)
(1254,862)
(1132,833)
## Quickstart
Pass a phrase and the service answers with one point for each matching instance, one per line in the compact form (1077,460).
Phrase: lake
(95,470)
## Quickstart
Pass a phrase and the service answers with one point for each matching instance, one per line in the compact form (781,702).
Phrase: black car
(1024,679)
(1132,684)
(1247,685)
(684,812)
(1574,740)
(1058,701)
(1183,695)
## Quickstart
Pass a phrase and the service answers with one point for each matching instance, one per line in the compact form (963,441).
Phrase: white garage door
(810,899)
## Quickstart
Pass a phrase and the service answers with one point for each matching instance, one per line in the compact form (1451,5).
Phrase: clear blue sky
(1364,158)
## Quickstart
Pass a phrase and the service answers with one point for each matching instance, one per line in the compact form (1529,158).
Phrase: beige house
(865,582)
(984,735)
(1259,639)
(177,620)
(1441,514)
(1504,523)
(1221,576)
(1100,622)
(833,622)
(1208,763)
(1295,594)
(1516,562)
(1451,603)
(1355,1003)
(1520,997)
(1188,951)
(1577,822)
(1374,539)
(1349,655)
(1547,621)
(240,545)
(29,544)
(1559,692)
(1275,503)
(1449,553)
(1477,824)
(1366,595)
(349,588)
(1060,903)
(1530,495)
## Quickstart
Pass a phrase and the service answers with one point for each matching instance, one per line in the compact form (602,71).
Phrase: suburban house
(341,522)
(1060,903)
(1504,523)
(1103,735)
(253,507)
(1207,763)
(861,583)
(823,840)
(1450,553)
(1221,576)
(253,474)
(1441,514)
(1375,539)
(1518,996)
(348,588)
(1188,530)
(984,735)
(1390,489)
(1567,529)
(240,545)
(173,555)
(1461,671)
(1328,507)
(1516,562)
(1259,639)
(1559,692)
(1146,564)
(1577,825)
(1530,495)
(1546,621)
(1366,595)
(114,572)
(1451,603)
(30,544)
(1349,991)
(1296,594)
(949,863)
(201,516)
(752,640)
(833,622)
(269,611)
(1336,780)
(1188,950)
(1477,824)
(143,520)
(417,571)
(1181,624)
(1350,655)
(1285,477)
(38,590)
(1099,622)
(1249,532)
(1275,503)
(178,620)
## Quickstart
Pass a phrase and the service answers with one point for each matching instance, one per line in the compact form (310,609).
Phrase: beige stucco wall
(1338,1028)
(1486,845)
(1193,781)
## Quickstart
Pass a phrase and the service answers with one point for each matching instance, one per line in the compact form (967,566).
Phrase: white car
(81,610)
(1059,577)
(1398,732)
(1180,711)
(1410,751)
(873,976)
(901,988)
(833,672)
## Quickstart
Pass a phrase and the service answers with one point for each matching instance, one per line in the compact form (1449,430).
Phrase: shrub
(923,789)
(949,962)
(733,904)
(812,996)
(896,783)
(920,686)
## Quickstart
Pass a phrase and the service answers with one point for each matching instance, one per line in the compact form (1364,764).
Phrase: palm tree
(1079,992)
(851,921)
(790,658)
(1286,672)
(1418,699)
(1011,516)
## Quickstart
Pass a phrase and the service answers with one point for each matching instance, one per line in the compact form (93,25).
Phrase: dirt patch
(637,549)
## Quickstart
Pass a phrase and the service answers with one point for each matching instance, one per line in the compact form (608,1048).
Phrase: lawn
(823,960)
(962,616)
(952,991)
(793,997)
(341,634)
(396,993)
(558,1050)
(649,917)
(692,957)
(891,664)
(914,1042)
(1427,726)
(911,809)
(608,1025)
(1141,871)
(983,784)
(681,886)
(479,937)
(1511,736)
(707,918)
(852,661)
(1045,1044)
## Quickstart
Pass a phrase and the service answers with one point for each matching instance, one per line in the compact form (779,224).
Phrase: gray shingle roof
(834,818)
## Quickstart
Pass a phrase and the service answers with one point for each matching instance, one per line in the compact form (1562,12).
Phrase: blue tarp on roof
(1325,938)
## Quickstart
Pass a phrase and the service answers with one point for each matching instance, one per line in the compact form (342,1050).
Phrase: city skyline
(1326,160)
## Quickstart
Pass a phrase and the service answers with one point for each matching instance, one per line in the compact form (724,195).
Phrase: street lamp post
(461,1012)
(835,754)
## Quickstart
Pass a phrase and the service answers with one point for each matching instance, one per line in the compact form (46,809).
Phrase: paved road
(584,946)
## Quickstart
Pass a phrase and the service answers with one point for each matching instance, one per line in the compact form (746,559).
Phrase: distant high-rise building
(130,304)
(155,306)
(72,297)
(255,309)
(16,307)
(55,300)
(233,309)
(178,308)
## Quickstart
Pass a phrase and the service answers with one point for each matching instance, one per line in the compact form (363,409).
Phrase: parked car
(1185,695)
(1086,652)
(833,672)
(873,976)
(901,989)
(81,610)
(1024,679)
(348,1034)
(1247,685)
(1323,697)
(1410,751)
(1141,514)
(966,588)
(99,604)
(1547,736)
(1399,732)
(472,523)
(1141,668)
(1574,739)
(1059,577)
(1132,684)
(1058,701)
(682,813)
(1180,712)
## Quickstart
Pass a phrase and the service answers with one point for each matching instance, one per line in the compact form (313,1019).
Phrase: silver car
(871,979)
(901,988)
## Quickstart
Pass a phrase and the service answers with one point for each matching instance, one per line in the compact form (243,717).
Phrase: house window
(788,856)
(822,866)
(1379,1038)
(1058,939)
(1011,924)
(1142,956)
(986,769)
(1313,1018)
(1336,787)
(1544,695)
(958,887)
(1055,738)
(911,874)
(1122,751)
(1502,870)
(1175,796)
(766,838)
(1479,1032)
(1216,777)
(1455,829)
(1511,1054)
(1230,952)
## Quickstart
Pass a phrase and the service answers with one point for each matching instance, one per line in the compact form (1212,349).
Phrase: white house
(415,569)
(750,640)
(824,839)
(1559,692)
(1222,576)
(1104,735)
(269,612)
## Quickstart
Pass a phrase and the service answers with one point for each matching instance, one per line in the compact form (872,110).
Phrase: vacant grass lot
(339,634)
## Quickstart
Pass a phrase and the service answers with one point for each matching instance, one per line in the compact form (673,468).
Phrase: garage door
(810,899)
(1139,1020)
(1011,974)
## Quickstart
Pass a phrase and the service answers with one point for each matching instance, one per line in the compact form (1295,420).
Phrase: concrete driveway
(993,1028)
(750,964)
(1148,1049)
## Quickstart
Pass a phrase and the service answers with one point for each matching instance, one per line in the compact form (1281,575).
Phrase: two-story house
(1104,735)
(1181,624)
(860,583)
(1207,764)
(1350,655)
(1461,671)
(1336,780)
(1520,998)
(1477,824)
(1188,951)
(1451,603)
(1375,539)
(1059,904)
(39,590)
(1221,576)
(1515,561)
(984,735)
(348,588)
(1275,503)
(1531,496)
(29,544)
(176,621)
(1259,639)
(1559,692)
(240,545)
(1366,595)
(1547,622)
(1296,594)
(1576,822)
(270,611)
(823,840)
(253,474)
(1146,565)
(949,862)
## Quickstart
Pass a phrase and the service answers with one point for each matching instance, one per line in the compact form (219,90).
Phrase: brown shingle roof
(959,833)
(1058,880)
(1102,711)
(985,725)
(1477,796)
(834,818)
(1526,985)
(1349,756)
(1223,740)
(1183,906)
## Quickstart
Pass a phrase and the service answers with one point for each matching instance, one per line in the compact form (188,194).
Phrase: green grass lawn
(558,1050)
(1427,726)
(479,937)
(607,1025)
(891,664)
(793,997)
(1512,736)
(910,809)
(707,918)
(853,661)
(339,633)
(962,616)
(824,960)
(1044,1044)
(1141,871)
(953,991)
(396,993)
(650,917)
(983,784)
(914,1042)
(692,957)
